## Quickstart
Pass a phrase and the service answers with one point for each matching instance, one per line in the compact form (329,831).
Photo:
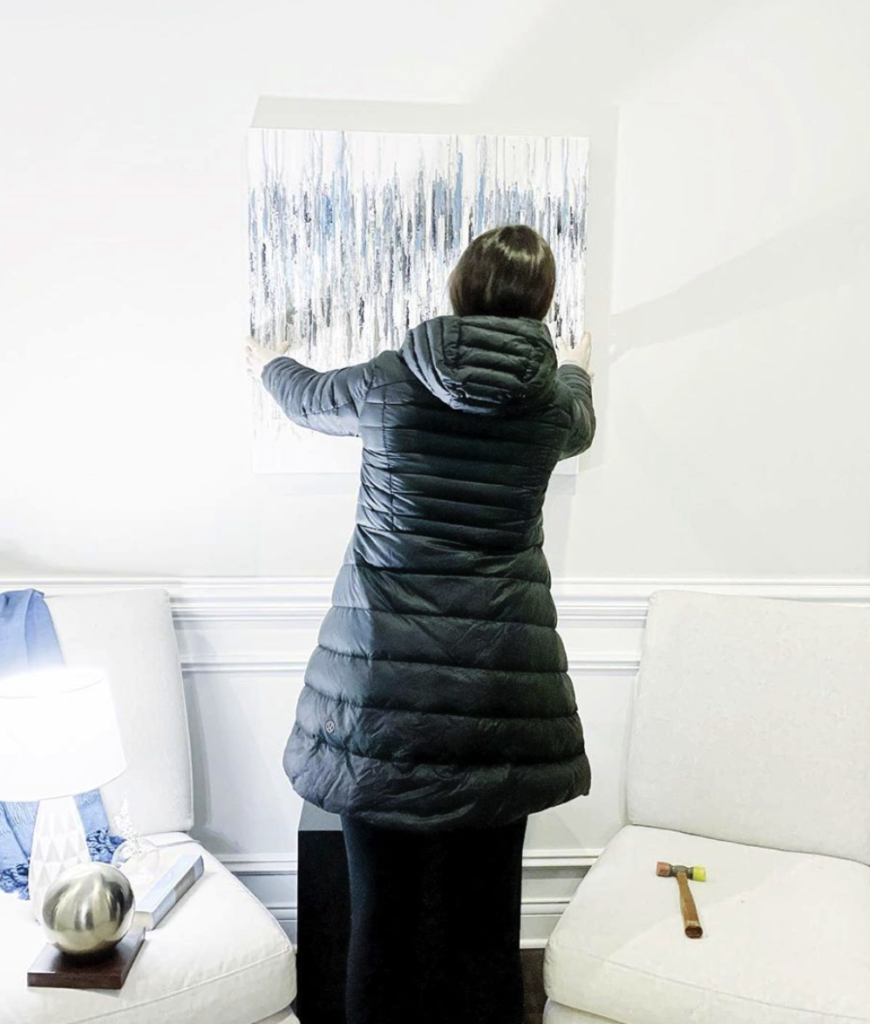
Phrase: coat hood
(496,366)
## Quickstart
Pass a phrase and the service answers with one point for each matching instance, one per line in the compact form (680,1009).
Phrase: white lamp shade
(58,734)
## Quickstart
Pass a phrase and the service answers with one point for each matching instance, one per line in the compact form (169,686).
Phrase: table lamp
(58,737)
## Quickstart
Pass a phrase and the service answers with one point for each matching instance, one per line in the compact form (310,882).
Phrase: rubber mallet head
(696,873)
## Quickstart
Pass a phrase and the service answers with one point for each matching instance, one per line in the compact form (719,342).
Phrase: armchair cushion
(751,723)
(786,937)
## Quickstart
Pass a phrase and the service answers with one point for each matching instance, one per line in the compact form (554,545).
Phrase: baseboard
(263,872)
(279,865)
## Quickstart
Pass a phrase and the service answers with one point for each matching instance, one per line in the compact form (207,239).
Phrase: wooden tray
(53,969)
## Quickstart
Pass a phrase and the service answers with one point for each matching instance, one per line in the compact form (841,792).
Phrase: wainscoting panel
(244,643)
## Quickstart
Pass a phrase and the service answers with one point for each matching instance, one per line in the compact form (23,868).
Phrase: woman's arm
(330,401)
(579,383)
(574,374)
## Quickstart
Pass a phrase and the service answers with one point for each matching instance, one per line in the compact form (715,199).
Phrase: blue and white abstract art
(352,237)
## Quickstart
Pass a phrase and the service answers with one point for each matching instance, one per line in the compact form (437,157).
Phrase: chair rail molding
(279,598)
(295,664)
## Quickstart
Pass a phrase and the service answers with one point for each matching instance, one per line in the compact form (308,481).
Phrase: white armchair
(219,957)
(749,754)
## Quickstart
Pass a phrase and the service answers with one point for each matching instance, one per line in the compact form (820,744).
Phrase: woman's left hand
(258,355)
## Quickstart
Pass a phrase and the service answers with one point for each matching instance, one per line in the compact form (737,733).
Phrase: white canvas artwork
(352,236)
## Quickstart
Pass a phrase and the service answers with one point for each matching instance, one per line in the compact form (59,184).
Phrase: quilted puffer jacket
(438,695)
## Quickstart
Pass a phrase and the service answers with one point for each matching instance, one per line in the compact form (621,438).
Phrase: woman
(437,712)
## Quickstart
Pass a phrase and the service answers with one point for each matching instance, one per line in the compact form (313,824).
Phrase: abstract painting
(353,234)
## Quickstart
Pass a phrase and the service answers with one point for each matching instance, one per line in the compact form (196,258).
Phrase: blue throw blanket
(28,642)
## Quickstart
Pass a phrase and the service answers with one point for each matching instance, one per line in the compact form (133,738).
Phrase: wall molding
(252,630)
(271,864)
(273,877)
(270,599)
(279,865)
(295,664)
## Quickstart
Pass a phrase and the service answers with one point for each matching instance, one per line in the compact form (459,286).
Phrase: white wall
(734,429)
(739,417)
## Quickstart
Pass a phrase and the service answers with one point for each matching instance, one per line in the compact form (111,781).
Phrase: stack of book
(178,874)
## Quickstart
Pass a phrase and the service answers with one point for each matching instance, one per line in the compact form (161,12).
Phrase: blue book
(167,891)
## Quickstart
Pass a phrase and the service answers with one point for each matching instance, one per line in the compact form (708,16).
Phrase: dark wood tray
(53,969)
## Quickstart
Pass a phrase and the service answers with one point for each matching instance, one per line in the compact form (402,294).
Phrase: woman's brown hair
(508,271)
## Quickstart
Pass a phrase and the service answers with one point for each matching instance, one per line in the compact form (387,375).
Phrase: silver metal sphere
(88,910)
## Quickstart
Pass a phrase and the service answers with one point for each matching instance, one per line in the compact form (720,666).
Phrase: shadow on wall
(558,73)
(599,52)
(828,250)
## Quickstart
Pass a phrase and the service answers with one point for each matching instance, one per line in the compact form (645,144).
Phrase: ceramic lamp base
(59,842)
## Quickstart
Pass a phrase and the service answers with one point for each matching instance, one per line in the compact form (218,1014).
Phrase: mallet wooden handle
(687,907)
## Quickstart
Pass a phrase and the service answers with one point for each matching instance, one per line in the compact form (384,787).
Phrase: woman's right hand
(580,356)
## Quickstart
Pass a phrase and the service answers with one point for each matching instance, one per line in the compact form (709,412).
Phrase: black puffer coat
(438,695)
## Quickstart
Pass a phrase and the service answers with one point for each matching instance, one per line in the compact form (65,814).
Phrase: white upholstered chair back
(130,635)
(751,723)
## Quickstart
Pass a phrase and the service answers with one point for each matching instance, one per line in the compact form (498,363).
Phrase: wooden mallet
(687,903)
